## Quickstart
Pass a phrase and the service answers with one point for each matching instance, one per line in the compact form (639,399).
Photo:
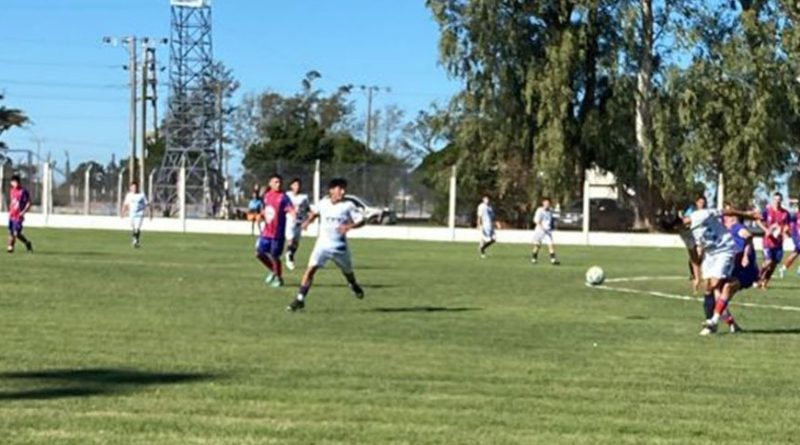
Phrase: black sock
(552,255)
(708,305)
(534,255)
(22,238)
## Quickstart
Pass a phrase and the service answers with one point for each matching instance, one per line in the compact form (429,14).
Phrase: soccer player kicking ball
(294,226)
(718,252)
(486,225)
(745,266)
(543,218)
(337,217)
(794,231)
(20,203)
(135,204)
(269,247)
(775,223)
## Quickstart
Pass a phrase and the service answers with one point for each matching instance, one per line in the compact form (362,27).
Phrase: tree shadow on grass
(68,383)
(780,331)
(422,309)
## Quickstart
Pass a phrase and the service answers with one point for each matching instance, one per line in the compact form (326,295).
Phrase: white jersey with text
(301,205)
(331,217)
(709,232)
(543,218)
(137,203)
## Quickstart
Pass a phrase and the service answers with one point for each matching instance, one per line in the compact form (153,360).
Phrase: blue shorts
(14,227)
(270,246)
(775,255)
(796,245)
(747,276)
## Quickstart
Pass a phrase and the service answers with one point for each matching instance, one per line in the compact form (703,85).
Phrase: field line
(632,279)
(690,298)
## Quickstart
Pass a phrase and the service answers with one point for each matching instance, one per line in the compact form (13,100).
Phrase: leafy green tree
(9,118)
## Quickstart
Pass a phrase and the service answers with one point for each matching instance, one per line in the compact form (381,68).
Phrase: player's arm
(748,245)
(744,215)
(356,220)
(312,216)
(27,207)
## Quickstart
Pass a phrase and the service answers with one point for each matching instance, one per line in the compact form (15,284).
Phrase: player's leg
(537,244)
(552,248)
(136,223)
(345,264)
(775,258)
(293,238)
(11,237)
(21,236)
(718,268)
(275,255)
(319,257)
(790,261)
(263,246)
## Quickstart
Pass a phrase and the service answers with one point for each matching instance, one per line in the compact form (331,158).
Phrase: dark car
(606,214)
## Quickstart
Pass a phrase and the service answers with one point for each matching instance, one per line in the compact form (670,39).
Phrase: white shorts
(294,232)
(540,236)
(341,257)
(717,265)
(487,234)
(136,222)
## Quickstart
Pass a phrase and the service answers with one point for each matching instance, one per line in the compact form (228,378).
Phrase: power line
(55,64)
(61,84)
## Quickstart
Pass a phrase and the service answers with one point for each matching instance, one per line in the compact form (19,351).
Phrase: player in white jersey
(294,223)
(543,219)
(134,205)
(337,217)
(485,225)
(717,249)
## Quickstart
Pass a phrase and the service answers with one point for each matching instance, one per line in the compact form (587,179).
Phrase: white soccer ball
(595,276)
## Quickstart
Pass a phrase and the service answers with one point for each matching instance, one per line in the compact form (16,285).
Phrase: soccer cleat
(534,261)
(735,328)
(10,249)
(782,271)
(270,278)
(798,272)
(295,305)
(276,282)
(555,262)
(289,262)
(29,247)
(708,328)
(358,292)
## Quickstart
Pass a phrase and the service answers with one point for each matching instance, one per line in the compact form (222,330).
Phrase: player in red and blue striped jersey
(18,206)
(775,223)
(269,247)
(794,231)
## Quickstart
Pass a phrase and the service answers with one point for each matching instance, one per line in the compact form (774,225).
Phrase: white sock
(300,297)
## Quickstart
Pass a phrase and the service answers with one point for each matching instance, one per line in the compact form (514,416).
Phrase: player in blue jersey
(794,231)
(745,264)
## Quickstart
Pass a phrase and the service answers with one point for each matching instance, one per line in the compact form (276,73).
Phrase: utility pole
(132,70)
(145,68)
(370,90)
(132,67)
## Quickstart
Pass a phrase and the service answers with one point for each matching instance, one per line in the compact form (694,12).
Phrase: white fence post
(150,181)
(182,195)
(50,187)
(87,189)
(45,204)
(451,217)
(587,189)
(120,177)
(720,191)
(2,184)
(316,182)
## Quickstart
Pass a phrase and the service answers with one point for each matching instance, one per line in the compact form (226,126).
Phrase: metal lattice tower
(191,118)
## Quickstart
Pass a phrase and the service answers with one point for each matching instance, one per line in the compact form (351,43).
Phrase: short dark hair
(545,198)
(275,176)
(15,178)
(135,183)
(297,180)
(779,194)
(337,182)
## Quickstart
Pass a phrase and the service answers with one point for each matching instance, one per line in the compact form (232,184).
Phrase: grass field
(181,343)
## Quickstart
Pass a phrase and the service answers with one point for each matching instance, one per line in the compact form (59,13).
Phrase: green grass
(181,343)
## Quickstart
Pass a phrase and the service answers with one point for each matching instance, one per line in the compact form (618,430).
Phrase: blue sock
(708,305)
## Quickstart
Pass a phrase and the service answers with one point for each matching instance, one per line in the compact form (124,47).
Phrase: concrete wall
(368,232)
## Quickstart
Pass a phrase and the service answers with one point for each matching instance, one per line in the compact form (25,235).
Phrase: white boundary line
(677,296)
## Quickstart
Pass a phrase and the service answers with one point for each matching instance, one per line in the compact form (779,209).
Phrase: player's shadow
(366,287)
(781,331)
(422,309)
(76,253)
(67,383)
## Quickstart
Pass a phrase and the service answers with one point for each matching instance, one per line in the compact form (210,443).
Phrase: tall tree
(9,118)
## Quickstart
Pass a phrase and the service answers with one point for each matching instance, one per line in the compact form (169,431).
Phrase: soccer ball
(595,276)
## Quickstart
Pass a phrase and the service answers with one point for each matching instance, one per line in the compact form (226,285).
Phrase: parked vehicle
(606,214)
(373,214)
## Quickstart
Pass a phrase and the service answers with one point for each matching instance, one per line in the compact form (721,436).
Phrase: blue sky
(55,67)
